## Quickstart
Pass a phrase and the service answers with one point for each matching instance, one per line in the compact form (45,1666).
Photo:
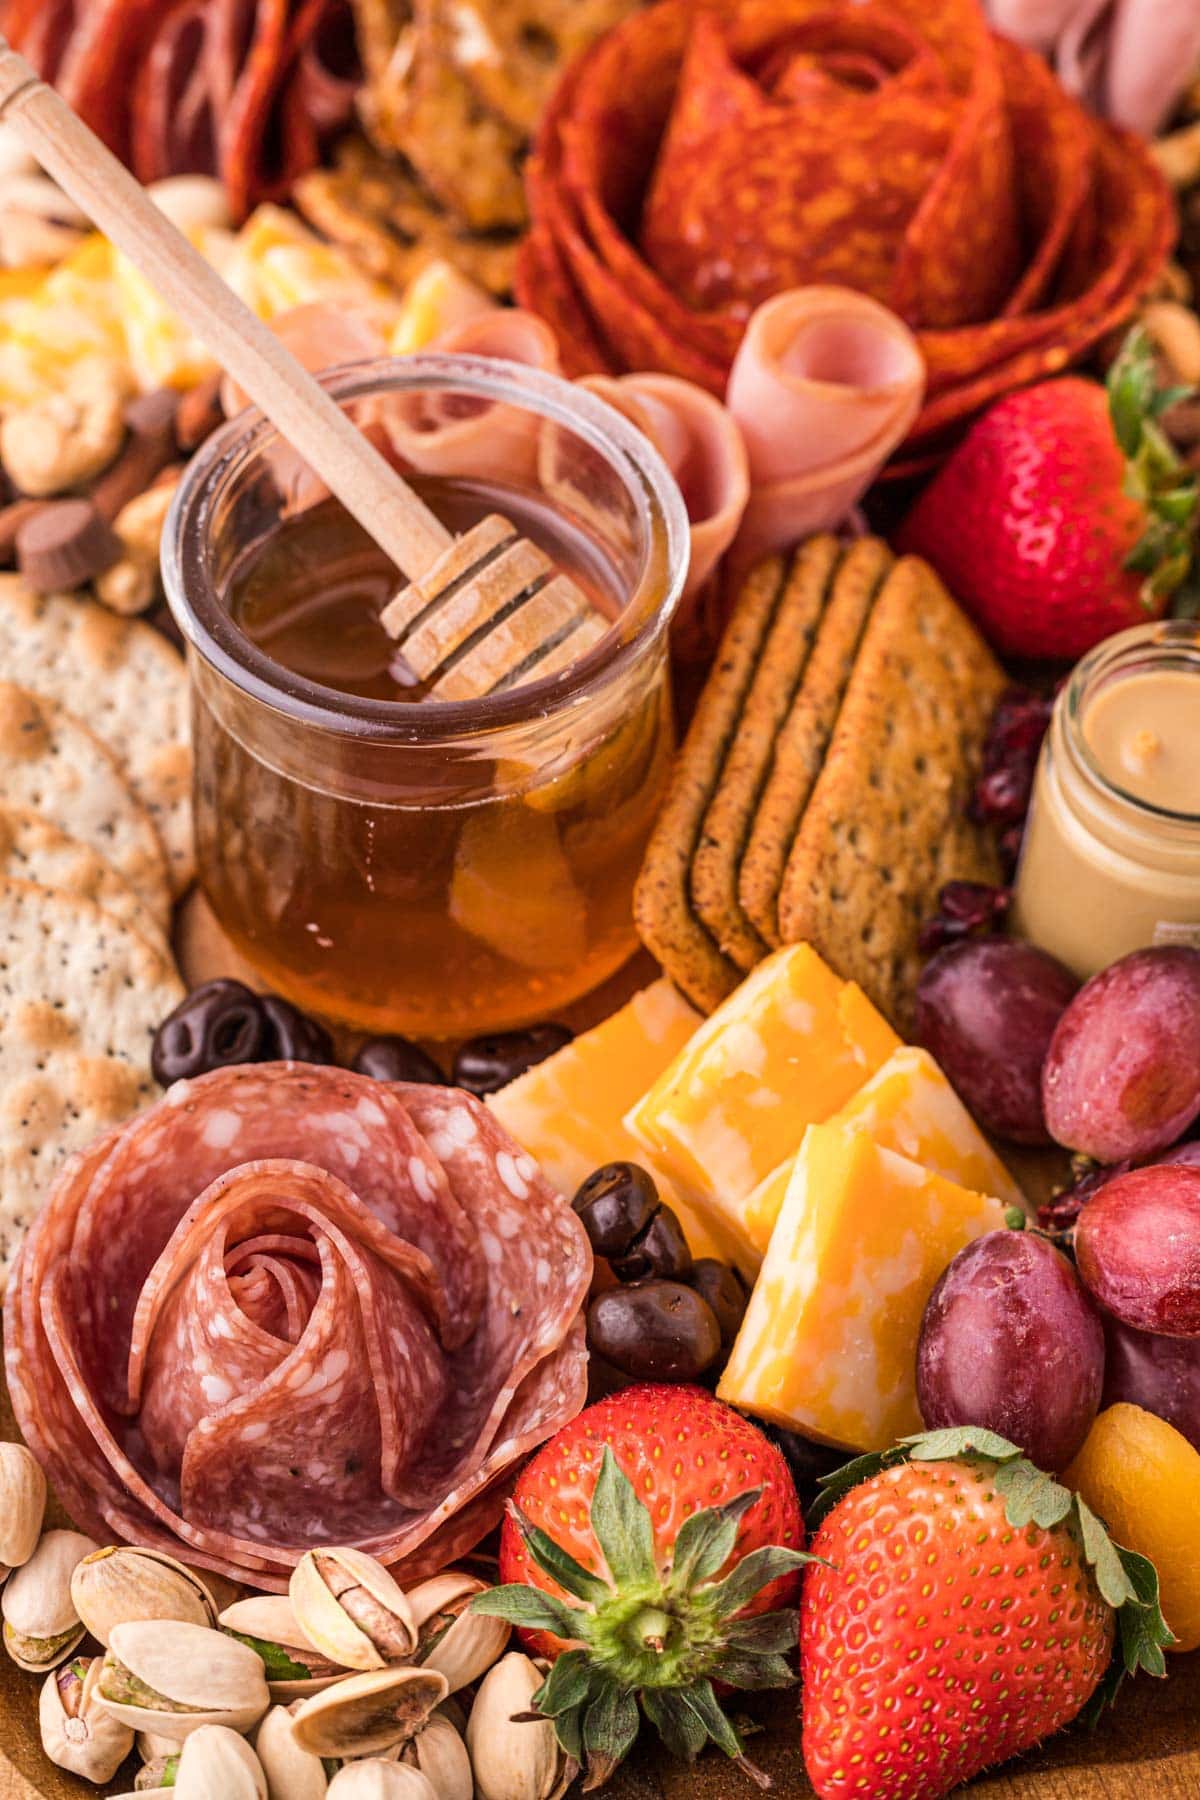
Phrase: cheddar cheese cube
(829,1342)
(907,1106)
(787,1049)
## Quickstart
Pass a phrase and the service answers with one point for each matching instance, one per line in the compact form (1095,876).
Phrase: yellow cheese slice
(787,1049)
(828,1345)
(907,1106)
(567,1111)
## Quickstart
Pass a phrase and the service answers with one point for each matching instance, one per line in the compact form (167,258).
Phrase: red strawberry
(653,1548)
(970,1610)
(1065,514)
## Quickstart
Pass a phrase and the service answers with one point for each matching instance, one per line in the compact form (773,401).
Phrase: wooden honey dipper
(480,612)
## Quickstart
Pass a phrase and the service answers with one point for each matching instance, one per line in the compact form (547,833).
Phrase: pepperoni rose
(289,1306)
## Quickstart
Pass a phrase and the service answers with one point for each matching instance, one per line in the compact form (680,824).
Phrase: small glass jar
(442,867)
(1103,869)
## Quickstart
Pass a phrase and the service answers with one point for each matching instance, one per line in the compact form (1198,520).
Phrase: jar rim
(1128,651)
(210,630)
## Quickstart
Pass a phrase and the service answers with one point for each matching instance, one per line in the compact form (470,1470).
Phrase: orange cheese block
(788,1048)
(907,1106)
(828,1345)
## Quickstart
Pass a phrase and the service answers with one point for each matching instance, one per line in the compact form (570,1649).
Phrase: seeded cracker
(801,745)
(127,683)
(662,906)
(80,996)
(32,848)
(52,764)
(730,815)
(887,825)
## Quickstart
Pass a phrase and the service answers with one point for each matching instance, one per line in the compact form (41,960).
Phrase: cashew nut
(192,202)
(131,585)
(66,439)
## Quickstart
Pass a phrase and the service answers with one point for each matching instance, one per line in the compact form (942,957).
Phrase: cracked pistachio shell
(292,1773)
(150,1747)
(81,1736)
(441,1593)
(177,1677)
(347,1604)
(380,1781)
(41,1626)
(514,1762)
(122,1583)
(22,1506)
(216,1761)
(440,1754)
(368,1713)
(459,1643)
(270,1619)
(159,1773)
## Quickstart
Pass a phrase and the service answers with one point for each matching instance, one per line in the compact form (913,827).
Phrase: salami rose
(701,159)
(289,1306)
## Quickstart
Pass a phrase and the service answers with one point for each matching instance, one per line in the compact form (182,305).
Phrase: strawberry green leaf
(566,1687)
(753,1672)
(680,1728)
(838,1483)
(706,1541)
(767,1633)
(1144,1631)
(753,1573)
(558,1563)
(622,1527)
(959,1440)
(1101,1553)
(568,1729)
(1031,1496)
(531,1609)
(610,1728)
(703,1703)
(1168,397)
(1131,387)
(1178,505)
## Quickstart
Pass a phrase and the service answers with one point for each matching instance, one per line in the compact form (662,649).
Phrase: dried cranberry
(1002,795)
(975,904)
(1060,1212)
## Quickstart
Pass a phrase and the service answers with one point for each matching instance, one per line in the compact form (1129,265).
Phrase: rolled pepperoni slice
(288,1306)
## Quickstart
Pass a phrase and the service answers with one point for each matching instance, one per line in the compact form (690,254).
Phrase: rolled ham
(825,386)
(1130,60)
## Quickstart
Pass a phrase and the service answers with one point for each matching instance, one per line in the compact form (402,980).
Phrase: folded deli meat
(290,1306)
(704,157)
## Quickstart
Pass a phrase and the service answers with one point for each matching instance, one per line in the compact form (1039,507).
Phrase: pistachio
(295,1668)
(41,1626)
(77,1733)
(351,1609)
(368,1713)
(514,1761)
(292,1773)
(118,1584)
(152,1748)
(461,1644)
(22,1506)
(376,1780)
(170,1677)
(159,1773)
(440,1754)
(216,1761)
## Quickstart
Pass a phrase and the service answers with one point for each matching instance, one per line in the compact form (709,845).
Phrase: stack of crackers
(452,95)
(822,791)
(95,845)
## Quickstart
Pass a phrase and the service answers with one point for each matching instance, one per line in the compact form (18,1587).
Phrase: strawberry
(967,1609)
(652,1548)
(1065,514)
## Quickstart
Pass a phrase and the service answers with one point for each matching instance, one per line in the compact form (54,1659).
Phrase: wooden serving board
(1149,1745)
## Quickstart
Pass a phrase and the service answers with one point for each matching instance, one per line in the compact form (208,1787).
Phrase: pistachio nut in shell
(292,1773)
(152,1748)
(295,1668)
(351,1609)
(169,1677)
(22,1506)
(366,1713)
(440,1754)
(218,1762)
(41,1626)
(124,1582)
(439,1593)
(460,1643)
(159,1773)
(77,1733)
(380,1781)
(511,1761)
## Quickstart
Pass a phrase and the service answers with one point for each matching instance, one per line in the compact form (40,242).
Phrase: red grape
(1161,1374)
(1011,1342)
(986,1010)
(1138,1249)
(1122,1075)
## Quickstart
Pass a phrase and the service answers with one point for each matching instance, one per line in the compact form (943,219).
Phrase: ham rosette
(290,1306)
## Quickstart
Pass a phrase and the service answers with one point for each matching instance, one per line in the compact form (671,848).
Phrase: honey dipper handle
(299,408)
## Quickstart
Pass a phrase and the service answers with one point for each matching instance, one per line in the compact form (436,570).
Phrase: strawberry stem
(1155,476)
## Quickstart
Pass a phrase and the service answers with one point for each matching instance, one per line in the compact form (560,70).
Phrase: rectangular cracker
(886,825)
(662,907)
(781,670)
(804,738)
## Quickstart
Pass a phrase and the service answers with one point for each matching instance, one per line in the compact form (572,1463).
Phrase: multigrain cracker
(127,682)
(662,906)
(730,814)
(33,848)
(804,738)
(52,764)
(887,822)
(80,997)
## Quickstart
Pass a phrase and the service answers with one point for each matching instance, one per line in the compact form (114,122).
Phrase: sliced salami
(291,1306)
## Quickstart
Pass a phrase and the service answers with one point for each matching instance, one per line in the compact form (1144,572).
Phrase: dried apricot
(1143,1478)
